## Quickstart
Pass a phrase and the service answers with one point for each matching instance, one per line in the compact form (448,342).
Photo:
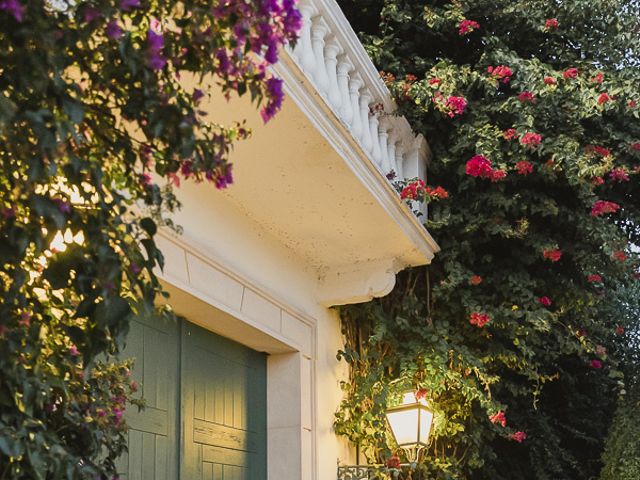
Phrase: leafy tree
(531,112)
(92,105)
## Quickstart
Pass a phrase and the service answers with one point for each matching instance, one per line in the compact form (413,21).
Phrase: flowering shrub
(499,345)
(95,101)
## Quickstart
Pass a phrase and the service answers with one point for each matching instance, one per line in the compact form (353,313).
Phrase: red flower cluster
(531,139)
(455,106)
(551,23)
(595,278)
(479,319)
(599,78)
(595,364)
(475,280)
(437,192)
(518,437)
(570,73)
(499,417)
(597,181)
(524,167)
(421,394)
(546,301)
(502,73)
(632,104)
(434,81)
(619,255)
(480,166)
(414,190)
(554,255)
(467,26)
(510,134)
(602,207)
(603,152)
(393,462)
(619,175)
(527,97)
(550,81)
(619,330)
(636,146)
(603,98)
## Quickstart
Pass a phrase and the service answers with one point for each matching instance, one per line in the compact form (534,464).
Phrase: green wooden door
(206,406)
(224,397)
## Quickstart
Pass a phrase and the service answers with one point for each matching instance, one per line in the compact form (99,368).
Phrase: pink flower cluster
(598,150)
(546,301)
(498,418)
(455,106)
(527,97)
(594,278)
(619,175)
(553,254)
(480,166)
(524,167)
(602,207)
(570,73)
(531,139)
(551,23)
(501,73)
(518,437)
(479,319)
(467,26)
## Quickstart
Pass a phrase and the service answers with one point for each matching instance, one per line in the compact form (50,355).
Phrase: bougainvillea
(103,103)
(546,222)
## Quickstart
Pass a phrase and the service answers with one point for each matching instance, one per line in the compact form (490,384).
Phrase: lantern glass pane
(426,419)
(404,425)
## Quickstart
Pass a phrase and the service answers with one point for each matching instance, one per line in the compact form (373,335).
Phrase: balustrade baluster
(303,50)
(375,138)
(331,50)
(383,132)
(367,140)
(355,82)
(399,161)
(319,30)
(346,109)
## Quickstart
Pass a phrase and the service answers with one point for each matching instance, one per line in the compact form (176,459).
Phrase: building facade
(246,384)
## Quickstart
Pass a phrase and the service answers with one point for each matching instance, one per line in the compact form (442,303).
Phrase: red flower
(595,364)
(524,167)
(619,255)
(434,81)
(499,417)
(619,330)
(479,319)
(437,192)
(25,319)
(502,73)
(393,462)
(414,190)
(636,146)
(546,301)
(421,394)
(498,175)
(554,255)
(73,350)
(475,280)
(581,332)
(570,73)
(479,166)
(602,207)
(603,98)
(551,23)
(527,97)
(603,152)
(619,175)
(467,26)
(455,105)
(518,437)
(550,81)
(599,78)
(510,134)
(597,181)
(595,278)
(632,104)
(531,139)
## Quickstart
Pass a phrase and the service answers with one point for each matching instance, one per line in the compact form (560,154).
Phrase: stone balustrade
(333,59)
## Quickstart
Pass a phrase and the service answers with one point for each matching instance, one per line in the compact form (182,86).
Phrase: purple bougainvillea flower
(113,30)
(14,8)
(155,44)
(127,5)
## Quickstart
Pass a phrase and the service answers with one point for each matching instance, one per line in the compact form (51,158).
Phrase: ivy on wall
(513,333)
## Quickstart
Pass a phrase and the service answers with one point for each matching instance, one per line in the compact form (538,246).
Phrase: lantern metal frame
(413,448)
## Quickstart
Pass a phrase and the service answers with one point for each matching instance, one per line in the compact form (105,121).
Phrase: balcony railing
(333,59)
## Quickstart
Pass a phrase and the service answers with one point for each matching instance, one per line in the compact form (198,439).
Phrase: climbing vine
(102,113)
(512,333)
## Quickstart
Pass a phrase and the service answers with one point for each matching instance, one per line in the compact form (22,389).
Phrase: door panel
(224,408)
(205,415)
(153,446)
